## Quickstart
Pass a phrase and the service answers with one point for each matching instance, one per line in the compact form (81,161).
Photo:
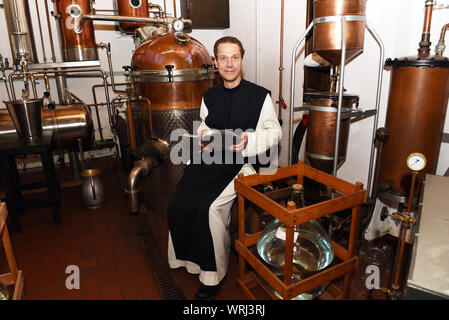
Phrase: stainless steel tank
(69,123)
(173,72)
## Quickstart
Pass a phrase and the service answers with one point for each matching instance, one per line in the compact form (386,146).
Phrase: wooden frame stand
(353,196)
(14,277)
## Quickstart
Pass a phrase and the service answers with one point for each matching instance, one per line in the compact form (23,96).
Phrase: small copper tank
(416,111)
(132,8)
(321,128)
(75,47)
(327,31)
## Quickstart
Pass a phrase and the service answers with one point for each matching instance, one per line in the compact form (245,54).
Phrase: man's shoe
(208,292)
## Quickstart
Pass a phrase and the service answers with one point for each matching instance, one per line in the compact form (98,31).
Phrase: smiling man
(199,213)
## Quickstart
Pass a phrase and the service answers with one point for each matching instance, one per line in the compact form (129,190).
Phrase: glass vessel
(312,252)
(4,293)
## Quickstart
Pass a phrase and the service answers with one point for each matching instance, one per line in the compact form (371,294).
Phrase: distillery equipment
(172,71)
(416,110)
(321,128)
(68,122)
(75,46)
(338,37)
(132,8)
(295,242)
(21,37)
(26,115)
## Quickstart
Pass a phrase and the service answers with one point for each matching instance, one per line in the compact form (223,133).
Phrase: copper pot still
(75,47)
(173,71)
(327,32)
(69,123)
(416,111)
(321,128)
(132,8)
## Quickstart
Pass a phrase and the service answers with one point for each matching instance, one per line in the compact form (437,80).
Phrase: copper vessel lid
(170,50)
(431,61)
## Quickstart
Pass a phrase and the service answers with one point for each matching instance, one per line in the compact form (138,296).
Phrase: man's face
(229,64)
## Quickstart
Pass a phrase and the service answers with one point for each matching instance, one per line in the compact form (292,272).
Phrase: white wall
(398,23)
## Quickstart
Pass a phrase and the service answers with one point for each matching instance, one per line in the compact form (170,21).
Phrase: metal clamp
(338,18)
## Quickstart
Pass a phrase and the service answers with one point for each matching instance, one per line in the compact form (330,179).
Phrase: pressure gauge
(416,161)
(178,25)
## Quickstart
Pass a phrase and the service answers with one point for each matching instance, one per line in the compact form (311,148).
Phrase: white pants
(219,221)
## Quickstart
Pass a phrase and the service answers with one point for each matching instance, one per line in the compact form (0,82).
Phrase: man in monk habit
(200,211)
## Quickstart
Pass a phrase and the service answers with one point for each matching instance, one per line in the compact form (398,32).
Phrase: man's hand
(240,146)
(202,145)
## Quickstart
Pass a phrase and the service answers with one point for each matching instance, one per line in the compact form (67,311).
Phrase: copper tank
(327,32)
(132,8)
(69,123)
(321,128)
(417,103)
(173,71)
(75,47)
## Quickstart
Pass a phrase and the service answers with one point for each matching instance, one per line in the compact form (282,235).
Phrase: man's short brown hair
(228,39)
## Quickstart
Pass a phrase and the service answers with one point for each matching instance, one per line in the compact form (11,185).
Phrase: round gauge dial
(416,161)
(178,25)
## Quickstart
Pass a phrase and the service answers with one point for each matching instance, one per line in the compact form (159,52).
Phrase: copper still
(75,47)
(173,71)
(132,8)
(327,35)
(69,123)
(416,110)
(320,141)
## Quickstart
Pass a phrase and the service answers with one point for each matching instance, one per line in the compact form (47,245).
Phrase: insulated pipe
(292,96)
(141,169)
(78,25)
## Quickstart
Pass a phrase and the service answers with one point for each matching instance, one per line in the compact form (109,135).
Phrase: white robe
(267,135)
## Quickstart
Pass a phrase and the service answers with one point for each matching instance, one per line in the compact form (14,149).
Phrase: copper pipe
(165,8)
(174,8)
(395,285)
(150,118)
(424,45)
(40,32)
(53,56)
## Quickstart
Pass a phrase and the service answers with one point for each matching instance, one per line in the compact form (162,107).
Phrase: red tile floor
(105,245)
